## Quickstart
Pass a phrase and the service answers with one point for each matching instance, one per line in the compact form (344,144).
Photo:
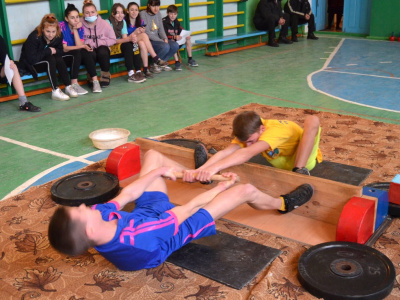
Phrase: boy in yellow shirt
(283,143)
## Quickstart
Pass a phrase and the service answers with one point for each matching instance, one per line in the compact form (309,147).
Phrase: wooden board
(326,204)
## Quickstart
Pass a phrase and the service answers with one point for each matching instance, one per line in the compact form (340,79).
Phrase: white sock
(130,73)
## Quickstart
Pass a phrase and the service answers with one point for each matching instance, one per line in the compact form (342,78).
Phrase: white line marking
(385,62)
(324,68)
(44,150)
(352,65)
(361,74)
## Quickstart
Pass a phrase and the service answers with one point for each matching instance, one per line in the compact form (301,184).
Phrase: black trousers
(102,56)
(73,59)
(270,23)
(132,61)
(51,64)
(295,20)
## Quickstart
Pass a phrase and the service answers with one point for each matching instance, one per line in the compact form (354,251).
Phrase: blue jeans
(164,50)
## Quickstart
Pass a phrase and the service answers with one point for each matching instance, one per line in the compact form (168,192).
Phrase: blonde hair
(87,3)
(48,20)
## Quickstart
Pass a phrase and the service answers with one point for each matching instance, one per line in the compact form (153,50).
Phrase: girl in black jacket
(42,52)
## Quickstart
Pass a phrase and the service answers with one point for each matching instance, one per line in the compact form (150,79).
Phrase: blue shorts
(200,224)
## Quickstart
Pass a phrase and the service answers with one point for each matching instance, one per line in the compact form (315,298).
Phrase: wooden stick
(179,175)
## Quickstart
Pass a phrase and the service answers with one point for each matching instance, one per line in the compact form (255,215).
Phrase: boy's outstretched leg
(247,193)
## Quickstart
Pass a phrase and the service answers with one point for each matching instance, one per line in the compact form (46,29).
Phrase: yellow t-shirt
(283,137)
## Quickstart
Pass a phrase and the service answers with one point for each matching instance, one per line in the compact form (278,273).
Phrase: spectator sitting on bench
(283,143)
(75,51)
(300,12)
(125,47)
(99,36)
(42,52)
(268,15)
(137,31)
(146,236)
(155,30)
(24,104)
(173,30)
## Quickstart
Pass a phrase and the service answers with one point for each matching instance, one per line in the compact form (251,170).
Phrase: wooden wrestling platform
(312,223)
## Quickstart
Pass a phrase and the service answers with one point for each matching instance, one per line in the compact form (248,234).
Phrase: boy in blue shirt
(145,237)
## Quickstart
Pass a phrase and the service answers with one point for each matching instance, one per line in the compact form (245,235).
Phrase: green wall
(385,19)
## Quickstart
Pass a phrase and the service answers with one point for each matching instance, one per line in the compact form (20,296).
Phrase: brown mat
(30,268)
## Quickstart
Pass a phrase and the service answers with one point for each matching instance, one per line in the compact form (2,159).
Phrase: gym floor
(334,74)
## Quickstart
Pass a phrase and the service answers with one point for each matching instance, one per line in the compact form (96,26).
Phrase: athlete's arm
(237,157)
(135,189)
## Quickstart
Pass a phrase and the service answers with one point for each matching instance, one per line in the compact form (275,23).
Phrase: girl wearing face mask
(124,46)
(42,52)
(75,51)
(137,33)
(155,30)
(99,36)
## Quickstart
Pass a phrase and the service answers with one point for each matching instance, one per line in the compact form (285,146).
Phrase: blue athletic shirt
(132,28)
(146,236)
(68,36)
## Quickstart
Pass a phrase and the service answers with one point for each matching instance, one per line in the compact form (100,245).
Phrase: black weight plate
(345,270)
(87,187)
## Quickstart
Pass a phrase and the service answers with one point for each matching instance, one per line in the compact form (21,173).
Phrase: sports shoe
(69,90)
(166,68)
(105,79)
(273,44)
(141,75)
(297,197)
(155,69)
(78,89)
(148,74)
(28,106)
(302,170)
(161,63)
(178,66)
(96,87)
(58,94)
(192,63)
(294,38)
(136,78)
(284,40)
(311,36)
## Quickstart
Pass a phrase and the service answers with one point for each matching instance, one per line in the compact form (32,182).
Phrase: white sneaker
(59,95)
(78,89)
(155,69)
(166,68)
(96,87)
(69,90)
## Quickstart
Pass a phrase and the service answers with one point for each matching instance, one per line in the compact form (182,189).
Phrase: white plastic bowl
(109,138)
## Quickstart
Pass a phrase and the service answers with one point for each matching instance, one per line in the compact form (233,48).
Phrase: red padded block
(356,222)
(394,190)
(124,161)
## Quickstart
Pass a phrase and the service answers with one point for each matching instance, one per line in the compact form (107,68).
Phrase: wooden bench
(215,40)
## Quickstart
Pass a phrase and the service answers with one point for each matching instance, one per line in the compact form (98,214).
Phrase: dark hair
(152,3)
(67,236)
(138,21)
(115,6)
(245,124)
(172,9)
(70,8)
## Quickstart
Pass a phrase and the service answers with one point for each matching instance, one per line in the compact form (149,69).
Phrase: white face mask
(91,19)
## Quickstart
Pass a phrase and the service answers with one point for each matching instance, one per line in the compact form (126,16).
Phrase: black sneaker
(294,38)
(302,170)
(284,40)
(273,44)
(311,36)
(297,197)
(28,106)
